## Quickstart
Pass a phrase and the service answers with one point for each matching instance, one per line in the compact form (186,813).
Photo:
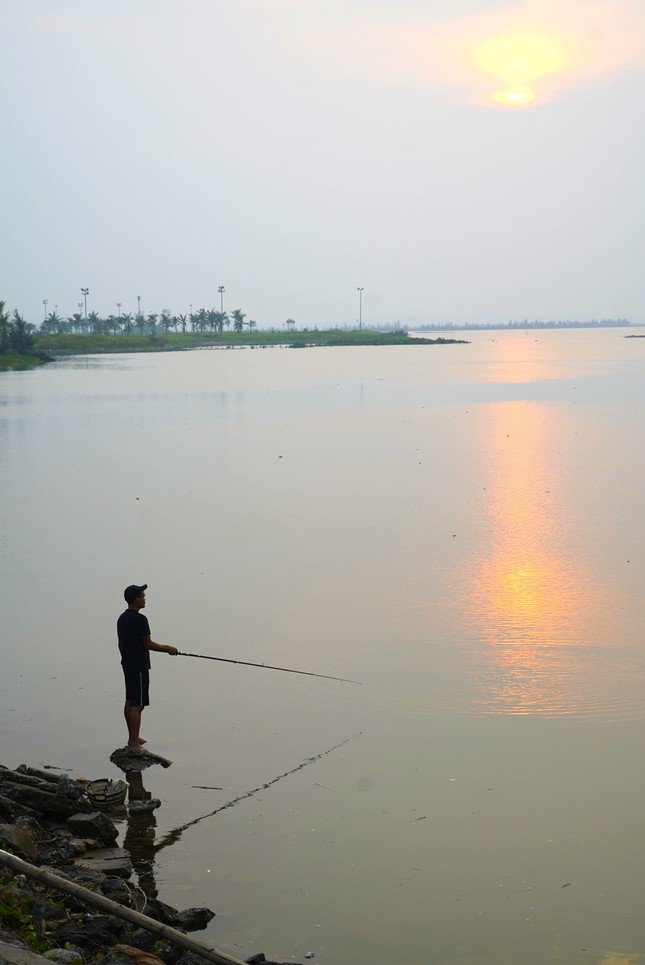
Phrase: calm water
(460,528)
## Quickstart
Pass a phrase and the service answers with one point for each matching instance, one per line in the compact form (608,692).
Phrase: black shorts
(137,683)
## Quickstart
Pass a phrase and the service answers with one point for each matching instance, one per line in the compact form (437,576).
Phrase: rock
(9,809)
(144,939)
(142,807)
(16,955)
(133,759)
(161,912)
(110,861)
(88,932)
(63,849)
(35,772)
(71,789)
(192,919)
(46,802)
(18,841)
(35,828)
(117,890)
(63,955)
(93,825)
(27,780)
(87,877)
(261,959)
(47,910)
(132,954)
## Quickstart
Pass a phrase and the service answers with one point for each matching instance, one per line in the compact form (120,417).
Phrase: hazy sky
(459,159)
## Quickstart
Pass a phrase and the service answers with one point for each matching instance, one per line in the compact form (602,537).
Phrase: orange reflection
(530,600)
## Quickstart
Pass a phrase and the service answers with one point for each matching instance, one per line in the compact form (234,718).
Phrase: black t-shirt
(131,628)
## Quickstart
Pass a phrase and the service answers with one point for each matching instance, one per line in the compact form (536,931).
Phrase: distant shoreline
(48,348)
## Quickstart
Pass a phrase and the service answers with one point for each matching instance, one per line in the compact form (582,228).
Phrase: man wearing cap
(135,644)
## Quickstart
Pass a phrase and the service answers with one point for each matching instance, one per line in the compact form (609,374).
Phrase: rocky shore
(48,820)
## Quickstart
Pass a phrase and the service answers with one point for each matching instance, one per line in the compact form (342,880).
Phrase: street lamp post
(221,291)
(85,292)
(45,307)
(138,305)
(118,305)
(360,308)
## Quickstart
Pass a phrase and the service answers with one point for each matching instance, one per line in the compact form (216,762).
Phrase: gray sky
(293,150)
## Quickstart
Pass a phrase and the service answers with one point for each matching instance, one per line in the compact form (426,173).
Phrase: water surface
(458,527)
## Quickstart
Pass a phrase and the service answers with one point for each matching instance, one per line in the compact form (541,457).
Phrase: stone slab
(133,759)
(110,861)
(20,956)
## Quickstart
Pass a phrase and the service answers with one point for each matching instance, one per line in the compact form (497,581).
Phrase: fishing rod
(266,666)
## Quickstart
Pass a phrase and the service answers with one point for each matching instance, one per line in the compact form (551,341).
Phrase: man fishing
(135,644)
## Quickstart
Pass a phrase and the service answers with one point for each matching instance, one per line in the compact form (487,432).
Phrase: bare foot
(142,740)
(138,747)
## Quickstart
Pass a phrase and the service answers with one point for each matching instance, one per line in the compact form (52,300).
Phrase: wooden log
(113,908)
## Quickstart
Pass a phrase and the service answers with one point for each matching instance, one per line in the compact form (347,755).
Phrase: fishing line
(255,790)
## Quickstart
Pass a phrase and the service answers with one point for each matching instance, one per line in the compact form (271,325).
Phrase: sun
(520,60)
(514,96)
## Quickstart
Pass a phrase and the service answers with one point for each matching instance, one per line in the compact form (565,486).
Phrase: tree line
(199,322)
(16,334)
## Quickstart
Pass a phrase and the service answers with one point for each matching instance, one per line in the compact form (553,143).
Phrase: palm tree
(165,320)
(46,327)
(20,336)
(94,322)
(181,320)
(53,323)
(291,324)
(211,319)
(252,325)
(112,324)
(152,322)
(238,319)
(126,321)
(221,319)
(140,322)
(75,322)
(202,320)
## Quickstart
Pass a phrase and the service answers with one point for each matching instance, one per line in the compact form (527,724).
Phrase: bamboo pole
(113,908)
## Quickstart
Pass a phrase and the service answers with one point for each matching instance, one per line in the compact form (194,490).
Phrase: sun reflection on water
(531,600)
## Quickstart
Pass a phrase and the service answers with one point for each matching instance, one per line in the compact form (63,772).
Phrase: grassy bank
(171,342)
(14,360)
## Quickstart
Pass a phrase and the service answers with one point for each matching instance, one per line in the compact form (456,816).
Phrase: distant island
(523,324)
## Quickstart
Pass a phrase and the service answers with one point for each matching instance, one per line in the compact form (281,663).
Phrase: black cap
(132,592)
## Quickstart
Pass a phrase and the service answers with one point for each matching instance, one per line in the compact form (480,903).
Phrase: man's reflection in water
(141,833)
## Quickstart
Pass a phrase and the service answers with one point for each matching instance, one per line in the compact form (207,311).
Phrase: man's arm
(149,643)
